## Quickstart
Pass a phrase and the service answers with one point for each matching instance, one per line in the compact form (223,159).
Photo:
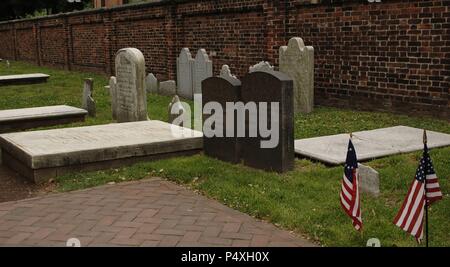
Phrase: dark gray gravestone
(270,87)
(222,90)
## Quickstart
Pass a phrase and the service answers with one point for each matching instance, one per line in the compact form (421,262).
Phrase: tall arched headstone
(131,97)
(272,94)
(225,146)
(297,60)
(202,70)
(185,64)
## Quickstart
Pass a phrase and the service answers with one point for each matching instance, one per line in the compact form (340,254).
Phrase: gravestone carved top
(225,73)
(151,83)
(297,60)
(202,70)
(261,66)
(185,65)
(131,98)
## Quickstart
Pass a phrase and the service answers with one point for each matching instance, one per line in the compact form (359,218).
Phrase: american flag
(423,191)
(350,201)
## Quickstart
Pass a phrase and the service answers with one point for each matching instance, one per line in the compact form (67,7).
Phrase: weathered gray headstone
(221,145)
(369,180)
(87,102)
(151,84)
(273,95)
(176,110)
(130,89)
(225,73)
(261,66)
(167,88)
(297,61)
(113,94)
(185,65)
(202,70)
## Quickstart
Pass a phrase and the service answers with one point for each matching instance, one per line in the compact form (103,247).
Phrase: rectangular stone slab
(23,79)
(27,118)
(40,155)
(369,144)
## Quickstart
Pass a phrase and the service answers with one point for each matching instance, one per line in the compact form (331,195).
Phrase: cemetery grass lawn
(305,200)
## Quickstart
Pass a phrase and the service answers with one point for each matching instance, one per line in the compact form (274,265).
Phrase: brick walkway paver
(151,212)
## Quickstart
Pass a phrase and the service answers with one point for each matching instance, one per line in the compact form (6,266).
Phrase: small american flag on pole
(350,200)
(423,191)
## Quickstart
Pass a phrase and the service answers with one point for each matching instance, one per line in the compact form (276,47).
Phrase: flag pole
(426,201)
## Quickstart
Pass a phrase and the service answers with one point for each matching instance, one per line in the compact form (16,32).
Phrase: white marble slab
(23,78)
(9,115)
(369,144)
(81,145)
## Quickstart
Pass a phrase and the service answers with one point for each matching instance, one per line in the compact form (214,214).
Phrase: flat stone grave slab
(369,144)
(23,79)
(42,155)
(26,118)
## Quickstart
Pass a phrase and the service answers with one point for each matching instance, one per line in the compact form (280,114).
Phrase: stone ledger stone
(261,66)
(369,180)
(88,102)
(151,84)
(41,155)
(130,94)
(202,69)
(185,65)
(268,87)
(297,61)
(13,120)
(113,93)
(168,88)
(20,79)
(222,146)
(369,144)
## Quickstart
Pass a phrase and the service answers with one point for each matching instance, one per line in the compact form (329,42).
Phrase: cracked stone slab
(369,144)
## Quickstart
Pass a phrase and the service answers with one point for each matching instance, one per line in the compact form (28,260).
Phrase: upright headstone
(167,88)
(202,70)
(185,65)
(369,180)
(261,66)
(8,65)
(225,73)
(176,110)
(297,61)
(220,140)
(151,84)
(113,93)
(130,89)
(273,149)
(87,102)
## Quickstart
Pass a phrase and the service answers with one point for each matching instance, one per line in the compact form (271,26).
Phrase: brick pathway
(151,212)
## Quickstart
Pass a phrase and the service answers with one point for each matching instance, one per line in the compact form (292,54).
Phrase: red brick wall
(393,55)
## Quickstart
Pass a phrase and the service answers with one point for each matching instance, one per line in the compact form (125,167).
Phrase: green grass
(304,200)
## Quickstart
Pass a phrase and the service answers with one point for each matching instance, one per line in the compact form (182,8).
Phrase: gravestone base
(43,175)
